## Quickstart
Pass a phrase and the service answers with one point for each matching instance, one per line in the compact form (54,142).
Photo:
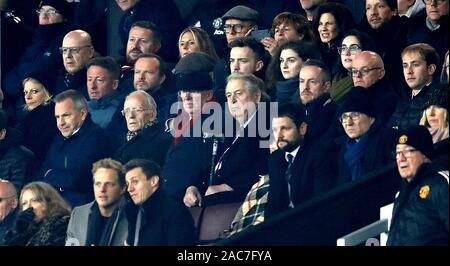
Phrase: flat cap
(242,13)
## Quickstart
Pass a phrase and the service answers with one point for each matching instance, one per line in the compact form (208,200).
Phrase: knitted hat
(195,62)
(44,78)
(438,97)
(418,137)
(194,81)
(62,6)
(241,13)
(358,100)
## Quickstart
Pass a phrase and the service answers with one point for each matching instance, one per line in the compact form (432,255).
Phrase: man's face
(367,70)
(68,119)
(137,112)
(147,74)
(140,40)
(378,13)
(435,11)
(312,84)
(243,60)
(287,136)
(107,190)
(139,187)
(408,160)
(290,63)
(241,103)
(193,102)
(310,4)
(8,201)
(416,71)
(78,54)
(235,28)
(49,15)
(126,4)
(356,124)
(100,83)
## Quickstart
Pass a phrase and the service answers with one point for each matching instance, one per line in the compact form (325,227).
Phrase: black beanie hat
(63,7)
(44,78)
(358,100)
(195,62)
(418,137)
(438,97)
(194,81)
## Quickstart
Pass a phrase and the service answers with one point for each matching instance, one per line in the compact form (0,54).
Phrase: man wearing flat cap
(366,145)
(420,214)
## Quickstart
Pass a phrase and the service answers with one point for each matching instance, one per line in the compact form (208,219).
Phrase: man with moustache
(103,221)
(296,172)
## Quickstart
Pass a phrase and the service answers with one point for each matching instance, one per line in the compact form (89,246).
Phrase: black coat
(378,153)
(312,175)
(39,129)
(76,81)
(70,161)
(165,222)
(420,214)
(16,161)
(152,143)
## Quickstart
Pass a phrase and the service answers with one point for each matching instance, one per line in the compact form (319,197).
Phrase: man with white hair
(146,138)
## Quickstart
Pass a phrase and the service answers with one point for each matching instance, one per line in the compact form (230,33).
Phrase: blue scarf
(355,151)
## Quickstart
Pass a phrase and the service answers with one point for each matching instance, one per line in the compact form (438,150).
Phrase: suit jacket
(244,160)
(311,176)
(81,224)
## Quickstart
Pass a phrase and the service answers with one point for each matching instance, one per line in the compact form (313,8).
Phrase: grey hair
(79,102)
(150,101)
(254,84)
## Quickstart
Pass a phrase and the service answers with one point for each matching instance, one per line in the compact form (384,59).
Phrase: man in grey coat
(103,221)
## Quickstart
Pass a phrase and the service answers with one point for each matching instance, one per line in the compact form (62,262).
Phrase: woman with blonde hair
(43,218)
(435,114)
(38,119)
(194,39)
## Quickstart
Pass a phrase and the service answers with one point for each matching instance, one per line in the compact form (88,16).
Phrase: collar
(432,26)
(414,93)
(293,153)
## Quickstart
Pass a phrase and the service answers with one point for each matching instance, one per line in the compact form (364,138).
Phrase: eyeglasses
(430,2)
(351,115)
(353,49)
(363,72)
(406,153)
(129,111)
(72,50)
(48,12)
(236,28)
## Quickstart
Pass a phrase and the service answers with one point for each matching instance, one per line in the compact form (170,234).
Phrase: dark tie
(288,175)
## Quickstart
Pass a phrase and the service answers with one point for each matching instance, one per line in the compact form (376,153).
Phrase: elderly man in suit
(103,221)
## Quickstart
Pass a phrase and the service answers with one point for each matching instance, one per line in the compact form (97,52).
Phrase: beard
(290,145)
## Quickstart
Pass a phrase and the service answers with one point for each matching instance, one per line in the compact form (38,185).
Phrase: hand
(24,219)
(192,197)
(218,188)
(270,44)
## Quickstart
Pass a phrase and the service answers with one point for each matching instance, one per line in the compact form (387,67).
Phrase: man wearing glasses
(366,145)
(8,206)
(432,27)
(146,138)
(420,214)
(76,51)
(368,72)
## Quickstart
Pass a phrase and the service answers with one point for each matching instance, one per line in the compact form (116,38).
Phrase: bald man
(76,51)
(368,72)
(8,205)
